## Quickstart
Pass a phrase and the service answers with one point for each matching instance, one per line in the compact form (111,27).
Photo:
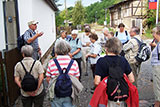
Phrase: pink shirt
(63,61)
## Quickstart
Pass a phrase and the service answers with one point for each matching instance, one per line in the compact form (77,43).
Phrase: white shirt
(85,39)
(95,49)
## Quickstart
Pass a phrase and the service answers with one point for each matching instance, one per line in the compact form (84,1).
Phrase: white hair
(27,50)
(105,29)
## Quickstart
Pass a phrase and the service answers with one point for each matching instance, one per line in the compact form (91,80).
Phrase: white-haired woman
(76,46)
(113,48)
(62,50)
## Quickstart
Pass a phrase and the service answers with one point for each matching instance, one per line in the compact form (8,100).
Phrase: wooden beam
(137,8)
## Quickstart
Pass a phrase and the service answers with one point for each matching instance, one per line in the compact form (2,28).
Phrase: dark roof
(52,4)
(122,2)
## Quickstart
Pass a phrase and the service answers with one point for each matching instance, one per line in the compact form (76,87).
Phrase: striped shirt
(63,61)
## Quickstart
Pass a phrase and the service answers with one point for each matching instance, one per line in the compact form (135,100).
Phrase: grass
(148,34)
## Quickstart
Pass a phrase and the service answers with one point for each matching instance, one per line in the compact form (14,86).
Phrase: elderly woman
(155,62)
(113,48)
(30,97)
(62,49)
(63,37)
(76,46)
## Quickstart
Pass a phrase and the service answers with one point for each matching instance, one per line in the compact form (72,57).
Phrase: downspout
(17,17)
(5,25)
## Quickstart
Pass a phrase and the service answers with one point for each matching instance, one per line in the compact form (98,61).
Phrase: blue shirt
(75,46)
(123,37)
(154,58)
(29,34)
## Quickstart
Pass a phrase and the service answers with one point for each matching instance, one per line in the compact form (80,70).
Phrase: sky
(72,3)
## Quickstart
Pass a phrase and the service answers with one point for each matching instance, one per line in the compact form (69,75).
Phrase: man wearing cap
(31,37)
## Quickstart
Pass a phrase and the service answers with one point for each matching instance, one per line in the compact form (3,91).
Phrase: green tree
(96,11)
(78,14)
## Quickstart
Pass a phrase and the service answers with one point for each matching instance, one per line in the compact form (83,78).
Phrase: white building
(14,16)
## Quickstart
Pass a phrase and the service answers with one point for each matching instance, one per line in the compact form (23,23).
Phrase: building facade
(17,13)
(129,12)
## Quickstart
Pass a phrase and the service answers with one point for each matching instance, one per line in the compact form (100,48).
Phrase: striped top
(63,61)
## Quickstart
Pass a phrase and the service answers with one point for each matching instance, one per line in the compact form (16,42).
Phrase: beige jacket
(77,87)
(131,49)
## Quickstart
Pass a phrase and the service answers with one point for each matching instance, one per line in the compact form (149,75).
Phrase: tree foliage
(90,14)
(78,13)
(98,11)
(150,17)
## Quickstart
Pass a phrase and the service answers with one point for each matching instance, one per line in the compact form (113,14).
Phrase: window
(119,13)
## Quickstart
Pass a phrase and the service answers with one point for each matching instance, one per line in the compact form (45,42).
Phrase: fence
(10,91)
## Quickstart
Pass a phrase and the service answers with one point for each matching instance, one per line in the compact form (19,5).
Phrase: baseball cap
(74,32)
(32,22)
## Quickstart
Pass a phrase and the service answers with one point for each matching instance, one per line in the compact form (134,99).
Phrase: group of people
(120,46)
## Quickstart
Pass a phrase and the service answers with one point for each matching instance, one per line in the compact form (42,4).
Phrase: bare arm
(40,80)
(91,55)
(48,79)
(97,80)
(74,53)
(30,40)
(131,77)
(18,81)
(77,51)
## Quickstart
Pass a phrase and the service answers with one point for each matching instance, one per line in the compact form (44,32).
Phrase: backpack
(21,42)
(29,83)
(125,33)
(63,86)
(117,87)
(69,39)
(143,52)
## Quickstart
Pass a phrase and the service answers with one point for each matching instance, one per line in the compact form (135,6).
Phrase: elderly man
(31,37)
(30,97)
(131,50)
(106,33)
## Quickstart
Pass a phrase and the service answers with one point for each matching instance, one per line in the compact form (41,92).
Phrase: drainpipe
(17,17)
(5,25)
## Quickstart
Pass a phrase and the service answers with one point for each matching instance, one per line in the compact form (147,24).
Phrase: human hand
(40,34)
(70,55)
(88,44)
(153,44)
(87,56)
(31,93)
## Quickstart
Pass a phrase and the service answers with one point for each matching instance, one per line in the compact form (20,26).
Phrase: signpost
(157,14)
(154,4)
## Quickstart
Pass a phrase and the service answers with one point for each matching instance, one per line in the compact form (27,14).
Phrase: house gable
(127,12)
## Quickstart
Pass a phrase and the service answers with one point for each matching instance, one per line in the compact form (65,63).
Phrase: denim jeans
(62,102)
